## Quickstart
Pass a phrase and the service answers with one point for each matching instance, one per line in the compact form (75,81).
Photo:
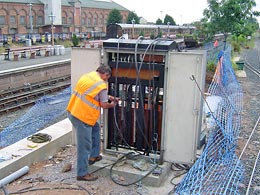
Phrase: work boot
(88,177)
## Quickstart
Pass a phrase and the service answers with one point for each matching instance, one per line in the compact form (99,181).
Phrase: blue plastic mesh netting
(46,109)
(218,170)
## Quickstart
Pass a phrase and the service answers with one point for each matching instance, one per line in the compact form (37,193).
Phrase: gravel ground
(251,113)
(47,176)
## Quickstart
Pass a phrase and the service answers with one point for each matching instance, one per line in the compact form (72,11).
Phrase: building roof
(22,1)
(99,4)
(155,26)
(103,4)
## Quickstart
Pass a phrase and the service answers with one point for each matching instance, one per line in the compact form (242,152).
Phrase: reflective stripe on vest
(82,97)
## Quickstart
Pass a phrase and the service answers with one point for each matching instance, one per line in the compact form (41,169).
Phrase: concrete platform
(25,153)
(22,154)
(123,172)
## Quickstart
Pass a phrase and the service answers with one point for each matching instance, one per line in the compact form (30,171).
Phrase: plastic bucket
(57,50)
(62,50)
(240,65)
(28,42)
(51,50)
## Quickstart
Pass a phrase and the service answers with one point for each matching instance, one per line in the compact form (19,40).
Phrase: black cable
(138,82)
(27,189)
(39,138)
(138,71)
(151,46)
(180,168)
(115,95)
(121,159)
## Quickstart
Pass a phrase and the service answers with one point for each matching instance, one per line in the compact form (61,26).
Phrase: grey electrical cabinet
(160,111)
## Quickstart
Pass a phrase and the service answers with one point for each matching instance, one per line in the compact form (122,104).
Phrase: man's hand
(112,102)
(114,99)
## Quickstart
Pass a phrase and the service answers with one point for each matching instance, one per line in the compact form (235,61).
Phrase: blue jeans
(88,143)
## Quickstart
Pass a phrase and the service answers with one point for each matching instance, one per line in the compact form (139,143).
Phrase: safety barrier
(218,170)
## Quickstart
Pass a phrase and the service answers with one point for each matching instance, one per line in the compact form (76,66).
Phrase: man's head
(104,72)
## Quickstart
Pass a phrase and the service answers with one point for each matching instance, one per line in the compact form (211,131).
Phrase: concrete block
(128,173)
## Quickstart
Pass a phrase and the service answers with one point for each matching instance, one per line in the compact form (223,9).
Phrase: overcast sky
(182,11)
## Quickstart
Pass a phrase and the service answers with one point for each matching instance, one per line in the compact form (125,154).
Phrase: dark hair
(104,69)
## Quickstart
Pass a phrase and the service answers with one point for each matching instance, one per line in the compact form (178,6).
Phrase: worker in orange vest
(88,97)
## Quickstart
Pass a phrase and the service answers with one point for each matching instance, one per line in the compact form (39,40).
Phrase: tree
(249,27)
(132,15)
(167,19)
(114,17)
(228,16)
(159,21)
(75,40)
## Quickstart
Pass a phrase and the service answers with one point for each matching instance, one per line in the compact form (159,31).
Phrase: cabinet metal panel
(183,105)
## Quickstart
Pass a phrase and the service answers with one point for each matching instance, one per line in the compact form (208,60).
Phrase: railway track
(15,99)
(253,69)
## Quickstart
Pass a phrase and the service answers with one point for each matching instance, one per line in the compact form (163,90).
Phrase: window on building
(22,20)
(101,21)
(12,20)
(82,21)
(2,20)
(32,20)
(86,21)
(95,21)
(89,22)
(40,20)
(70,20)
(63,20)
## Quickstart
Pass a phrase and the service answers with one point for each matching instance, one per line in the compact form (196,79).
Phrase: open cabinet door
(83,60)
(183,104)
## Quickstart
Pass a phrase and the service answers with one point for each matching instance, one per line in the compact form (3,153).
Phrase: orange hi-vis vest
(82,104)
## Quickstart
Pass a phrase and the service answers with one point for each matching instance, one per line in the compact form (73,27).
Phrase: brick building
(35,16)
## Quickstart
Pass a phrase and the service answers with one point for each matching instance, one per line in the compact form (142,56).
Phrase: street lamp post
(52,17)
(168,33)
(30,13)
(133,33)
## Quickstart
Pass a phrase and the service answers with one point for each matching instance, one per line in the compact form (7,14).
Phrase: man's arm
(107,101)
(106,105)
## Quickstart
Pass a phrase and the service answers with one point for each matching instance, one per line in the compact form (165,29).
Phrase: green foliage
(114,17)
(160,34)
(169,19)
(152,36)
(211,66)
(75,40)
(229,16)
(141,33)
(159,21)
(2,49)
(132,16)
(234,66)
(236,46)
(241,39)
(178,36)
(67,43)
